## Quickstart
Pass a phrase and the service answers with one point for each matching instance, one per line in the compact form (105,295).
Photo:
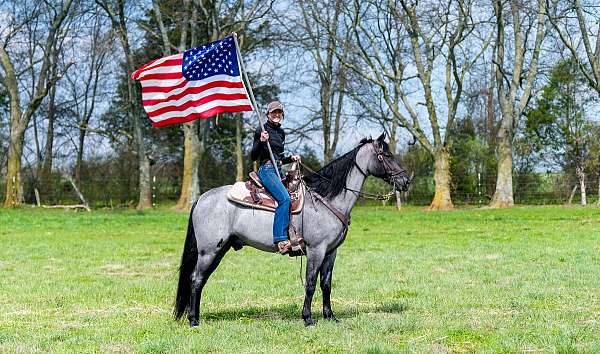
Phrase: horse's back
(216,219)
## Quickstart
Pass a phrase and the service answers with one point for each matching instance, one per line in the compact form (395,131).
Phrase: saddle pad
(241,195)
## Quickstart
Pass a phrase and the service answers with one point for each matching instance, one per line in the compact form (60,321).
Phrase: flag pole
(253,101)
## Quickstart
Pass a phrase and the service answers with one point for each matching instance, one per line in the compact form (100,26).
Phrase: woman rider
(276,137)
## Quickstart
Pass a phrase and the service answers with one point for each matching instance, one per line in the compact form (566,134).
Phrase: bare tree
(217,19)
(190,187)
(116,13)
(398,47)
(41,81)
(573,22)
(86,94)
(512,72)
(318,32)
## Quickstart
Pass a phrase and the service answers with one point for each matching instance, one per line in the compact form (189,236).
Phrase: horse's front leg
(314,261)
(326,272)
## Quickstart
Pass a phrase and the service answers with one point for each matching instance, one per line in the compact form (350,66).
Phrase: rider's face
(275,116)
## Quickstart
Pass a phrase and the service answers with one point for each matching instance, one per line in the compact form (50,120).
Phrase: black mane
(330,180)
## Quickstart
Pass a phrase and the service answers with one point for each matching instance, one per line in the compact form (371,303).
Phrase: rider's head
(275,112)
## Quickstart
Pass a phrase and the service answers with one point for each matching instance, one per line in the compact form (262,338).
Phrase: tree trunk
(239,166)
(79,161)
(441,176)
(145,184)
(14,188)
(46,172)
(190,187)
(570,201)
(581,176)
(503,196)
(18,119)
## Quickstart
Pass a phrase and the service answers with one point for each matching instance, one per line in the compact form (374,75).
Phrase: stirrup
(284,249)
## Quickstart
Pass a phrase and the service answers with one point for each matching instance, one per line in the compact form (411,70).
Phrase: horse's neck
(345,201)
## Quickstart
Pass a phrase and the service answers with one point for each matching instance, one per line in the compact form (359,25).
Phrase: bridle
(390,173)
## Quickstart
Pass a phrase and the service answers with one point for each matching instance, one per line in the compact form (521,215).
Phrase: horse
(217,224)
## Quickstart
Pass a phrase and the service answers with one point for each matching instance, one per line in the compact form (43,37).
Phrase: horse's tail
(188,263)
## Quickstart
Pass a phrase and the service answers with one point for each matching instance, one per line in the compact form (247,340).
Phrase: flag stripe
(164,84)
(193,93)
(205,107)
(175,59)
(163,76)
(195,103)
(203,115)
(156,98)
(169,66)
(224,80)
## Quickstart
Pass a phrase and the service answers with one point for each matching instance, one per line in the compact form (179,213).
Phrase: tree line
(461,87)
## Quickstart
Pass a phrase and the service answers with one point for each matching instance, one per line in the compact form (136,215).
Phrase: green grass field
(524,279)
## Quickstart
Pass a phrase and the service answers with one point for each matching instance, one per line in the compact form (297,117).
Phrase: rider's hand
(296,158)
(264,136)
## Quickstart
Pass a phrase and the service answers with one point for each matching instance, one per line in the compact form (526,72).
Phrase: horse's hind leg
(326,272)
(206,264)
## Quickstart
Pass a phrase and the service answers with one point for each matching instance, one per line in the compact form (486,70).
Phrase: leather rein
(390,173)
(346,220)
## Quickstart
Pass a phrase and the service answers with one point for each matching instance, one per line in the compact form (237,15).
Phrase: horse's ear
(381,137)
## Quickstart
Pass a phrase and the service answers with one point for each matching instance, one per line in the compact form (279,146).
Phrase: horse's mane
(330,180)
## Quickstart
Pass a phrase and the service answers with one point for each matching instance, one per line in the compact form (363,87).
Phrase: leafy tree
(558,127)
(470,164)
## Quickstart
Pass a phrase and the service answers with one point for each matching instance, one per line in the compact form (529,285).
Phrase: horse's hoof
(332,319)
(309,322)
(194,323)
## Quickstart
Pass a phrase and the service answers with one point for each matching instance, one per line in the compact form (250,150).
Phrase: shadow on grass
(293,312)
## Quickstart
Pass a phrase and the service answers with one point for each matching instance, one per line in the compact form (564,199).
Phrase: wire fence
(118,187)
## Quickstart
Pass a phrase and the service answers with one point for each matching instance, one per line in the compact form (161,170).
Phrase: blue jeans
(273,184)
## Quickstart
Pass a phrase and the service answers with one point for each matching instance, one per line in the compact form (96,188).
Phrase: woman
(274,134)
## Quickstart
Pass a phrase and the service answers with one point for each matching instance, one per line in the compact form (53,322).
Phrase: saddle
(253,194)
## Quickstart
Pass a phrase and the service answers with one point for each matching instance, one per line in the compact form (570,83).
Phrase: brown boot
(284,247)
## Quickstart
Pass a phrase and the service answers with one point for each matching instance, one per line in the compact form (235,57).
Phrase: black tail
(188,263)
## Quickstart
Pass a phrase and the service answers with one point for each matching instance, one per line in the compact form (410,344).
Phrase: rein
(362,194)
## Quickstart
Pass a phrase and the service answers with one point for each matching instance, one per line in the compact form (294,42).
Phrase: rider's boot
(284,247)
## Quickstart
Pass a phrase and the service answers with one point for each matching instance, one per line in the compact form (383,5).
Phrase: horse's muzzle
(402,182)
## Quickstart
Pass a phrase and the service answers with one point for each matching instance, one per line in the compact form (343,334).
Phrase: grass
(524,279)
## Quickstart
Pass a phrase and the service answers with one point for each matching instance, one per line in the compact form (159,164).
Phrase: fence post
(154,191)
(14,191)
(479,189)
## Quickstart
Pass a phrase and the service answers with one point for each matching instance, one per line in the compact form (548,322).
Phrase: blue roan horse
(216,224)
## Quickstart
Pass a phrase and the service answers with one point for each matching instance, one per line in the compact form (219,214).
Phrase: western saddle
(253,194)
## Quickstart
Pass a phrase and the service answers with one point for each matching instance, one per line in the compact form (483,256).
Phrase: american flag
(198,83)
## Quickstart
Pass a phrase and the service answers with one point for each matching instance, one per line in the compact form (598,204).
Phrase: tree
(85,94)
(190,188)
(572,21)
(558,125)
(513,71)
(9,78)
(116,13)
(217,19)
(397,47)
(316,29)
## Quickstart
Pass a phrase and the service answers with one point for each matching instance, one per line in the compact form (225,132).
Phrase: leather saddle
(253,194)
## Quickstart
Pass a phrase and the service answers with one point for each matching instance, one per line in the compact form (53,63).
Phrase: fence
(115,187)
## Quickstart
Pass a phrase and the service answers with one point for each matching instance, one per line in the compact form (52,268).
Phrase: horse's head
(382,163)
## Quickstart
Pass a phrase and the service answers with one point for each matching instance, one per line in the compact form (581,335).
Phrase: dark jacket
(260,151)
